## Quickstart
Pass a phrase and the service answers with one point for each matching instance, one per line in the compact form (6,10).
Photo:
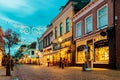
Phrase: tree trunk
(9,51)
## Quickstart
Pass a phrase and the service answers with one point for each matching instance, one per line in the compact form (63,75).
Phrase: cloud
(7,19)
(20,8)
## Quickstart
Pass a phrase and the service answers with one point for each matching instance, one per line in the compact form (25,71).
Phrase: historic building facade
(91,27)
(47,45)
(62,41)
(59,34)
(94,24)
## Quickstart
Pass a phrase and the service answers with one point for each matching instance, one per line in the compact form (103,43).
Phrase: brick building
(117,30)
(93,26)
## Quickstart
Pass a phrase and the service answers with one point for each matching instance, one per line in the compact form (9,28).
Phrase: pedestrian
(12,64)
(63,62)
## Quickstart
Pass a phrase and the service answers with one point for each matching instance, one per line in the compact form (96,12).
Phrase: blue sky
(20,15)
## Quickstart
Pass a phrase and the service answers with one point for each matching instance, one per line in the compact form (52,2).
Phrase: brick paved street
(35,72)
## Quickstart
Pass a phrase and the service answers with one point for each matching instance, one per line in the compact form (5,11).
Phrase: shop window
(102,17)
(102,54)
(80,56)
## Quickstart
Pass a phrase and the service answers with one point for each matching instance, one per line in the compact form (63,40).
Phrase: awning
(53,52)
(101,43)
(81,47)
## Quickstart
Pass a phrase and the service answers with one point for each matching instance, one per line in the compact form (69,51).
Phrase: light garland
(35,30)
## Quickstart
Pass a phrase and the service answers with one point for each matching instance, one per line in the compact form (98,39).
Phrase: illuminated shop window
(102,54)
(80,56)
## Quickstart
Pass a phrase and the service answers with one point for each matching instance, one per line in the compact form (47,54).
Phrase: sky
(28,17)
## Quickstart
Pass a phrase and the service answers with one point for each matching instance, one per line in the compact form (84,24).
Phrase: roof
(81,2)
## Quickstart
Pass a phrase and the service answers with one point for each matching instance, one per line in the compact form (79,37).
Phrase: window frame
(67,24)
(56,33)
(61,28)
(86,25)
(98,24)
(80,22)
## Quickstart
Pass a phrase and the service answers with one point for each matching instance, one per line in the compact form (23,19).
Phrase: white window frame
(98,27)
(60,28)
(56,33)
(68,18)
(86,26)
(76,29)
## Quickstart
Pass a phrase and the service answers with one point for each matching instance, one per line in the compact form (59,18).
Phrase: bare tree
(12,38)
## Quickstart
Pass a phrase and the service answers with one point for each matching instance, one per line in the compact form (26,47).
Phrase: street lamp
(60,40)
(60,63)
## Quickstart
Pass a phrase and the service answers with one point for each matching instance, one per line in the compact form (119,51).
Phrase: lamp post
(60,63)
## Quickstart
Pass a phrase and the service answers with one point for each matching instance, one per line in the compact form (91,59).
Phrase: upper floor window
(32,52)
(78,29)
(44,42)
(55,32)
(88,24)
(68,24)
(50,38)
(47,40)
(60,29)
(102,17)
(41,45)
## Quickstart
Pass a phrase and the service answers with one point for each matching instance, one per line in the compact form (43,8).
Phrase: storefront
(80,54)
(51,57)
(101,51)
(66,51)
(98,51)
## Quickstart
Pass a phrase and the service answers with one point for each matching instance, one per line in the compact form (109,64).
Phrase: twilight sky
(28,17)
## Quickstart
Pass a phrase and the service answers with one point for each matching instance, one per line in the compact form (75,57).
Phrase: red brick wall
(93,12)
(117,26)
(112,53)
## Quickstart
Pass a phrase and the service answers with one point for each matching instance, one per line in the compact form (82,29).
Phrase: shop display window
(80,56)
(102,54)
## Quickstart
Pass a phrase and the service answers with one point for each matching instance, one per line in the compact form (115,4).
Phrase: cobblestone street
(35,72)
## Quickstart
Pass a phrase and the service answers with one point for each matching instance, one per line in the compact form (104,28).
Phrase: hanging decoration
(35,30)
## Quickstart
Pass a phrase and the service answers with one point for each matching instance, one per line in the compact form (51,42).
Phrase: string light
(35,30)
